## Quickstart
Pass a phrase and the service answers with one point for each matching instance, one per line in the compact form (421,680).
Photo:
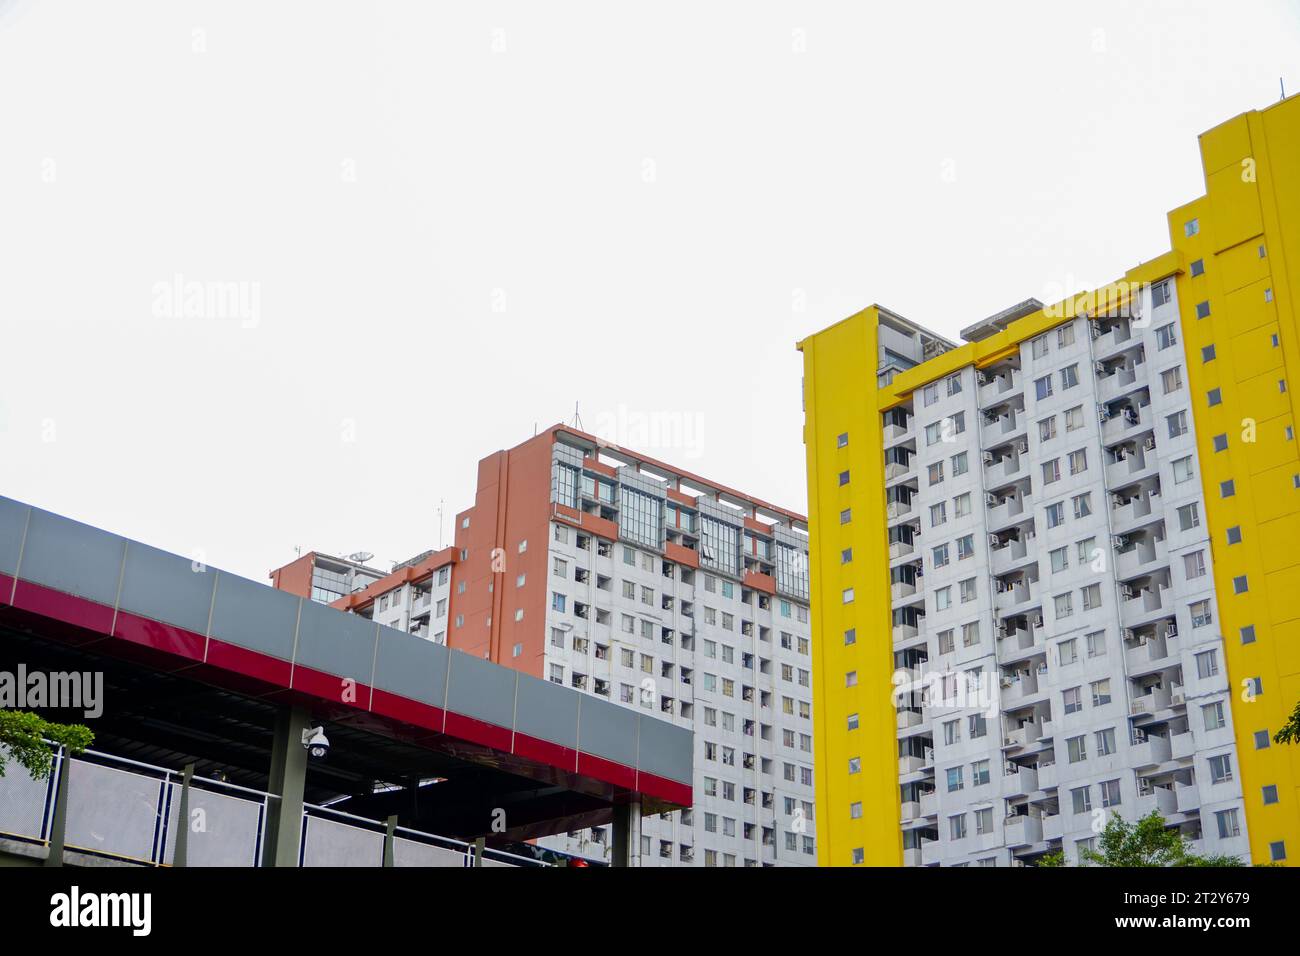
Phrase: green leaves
(1148,842)
(1290,732)
(24,737)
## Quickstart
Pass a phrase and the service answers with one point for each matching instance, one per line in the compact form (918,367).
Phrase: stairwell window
(847,596)
(1191,227)
(1202,310)
(1227,489)
(1198,267)
(842,440)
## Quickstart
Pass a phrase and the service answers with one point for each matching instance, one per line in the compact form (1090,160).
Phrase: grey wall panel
(13,516)
(412,853)
(328,843)
(334,642)
(481,689)
(411,667)
(72,557)
(607,730)
(164,587)
(665,749)
(254,616)
(547,711)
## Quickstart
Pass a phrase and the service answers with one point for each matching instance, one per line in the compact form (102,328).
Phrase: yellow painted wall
(1252,175)
(839,390)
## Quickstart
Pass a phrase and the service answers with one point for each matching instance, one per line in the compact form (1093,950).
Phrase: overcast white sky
(451,222)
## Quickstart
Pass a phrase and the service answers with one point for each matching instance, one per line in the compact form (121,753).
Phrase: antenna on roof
(440,501)
(1282,86)
(577,418)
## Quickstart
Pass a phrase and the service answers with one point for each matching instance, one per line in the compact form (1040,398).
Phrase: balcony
(1117,338)
(1118,383)
(1006,469)
(909,810)
(1047,776)
(898,509)
(912,856)
(1118,426)
(1020,781)
(909,763)
(1000,385)
(1156,700)
(1010,555)
(1029,733)
(1016,690)
(1150,753)
(1052,826)
(908,719)
(930,804)
(1023,830)
(1181,746)
(903,633)
(1187,797)
(1127,469)
(894,433)
(1143,557)
(1157,798)
(1010,511)
(1018,596)
(900,549)
(1144,606)
(901,589)
(1000,429)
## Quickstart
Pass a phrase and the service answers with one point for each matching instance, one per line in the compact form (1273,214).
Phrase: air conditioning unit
(988,458)
(1006,682)
(995,541)
(1099,368)
(1121,542)
(1103,414)
(1127,633)
(991,500)
(981,378)
(1150,443)
(1022,446)
(1125,592)
(1172,629)
(1177,699)
(1038,621)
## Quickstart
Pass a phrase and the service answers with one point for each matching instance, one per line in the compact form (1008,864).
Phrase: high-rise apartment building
(1054,565)
(595,567)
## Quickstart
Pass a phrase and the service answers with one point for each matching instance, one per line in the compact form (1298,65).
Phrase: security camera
(316,743)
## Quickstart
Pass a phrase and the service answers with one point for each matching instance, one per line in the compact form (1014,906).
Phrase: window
(954,779)
(846,516)
(1039,346)
(931,393)
(1207,354)
(946,644)
(1078,461)
(1269,794)
(1248,634)
(1109,793)
(1067,652)
(1065,336)
(1064,605)
(1082,504)
(1047,429)
(851,679)
(1091,597)
(1220,443)
(1189,516)
(1073,700)
(1100,692)
(1096,642)
(1074,418)
(855,812)
(1177,423)
(1207,664)
(965,547)
(1171,379)
(1081,799)
(943,599)
(1227,823)
(1261,740)
(934,473)
(1183,470)
(1227,488)
(939,556)
(1159,294)
(1234,534)
(959,464)
(968,590)
(951,732)
(1194,565)
(1201,616)
(1055,514)
(938,514)
(1051,471)
(1197,267)
(1043,387)
(1077,749)
(961,505)
(851,636)
(984,820)
(1060,559)
(842,441)
(1277,851)
(1221,768)
(979,772)
(954,384)
(957,827)
(1106,742)
(1166,336)
(1240,585)
(1202,310)
(970,634)
(853,722)
(1212,715)
(1213,397)
(1191,227)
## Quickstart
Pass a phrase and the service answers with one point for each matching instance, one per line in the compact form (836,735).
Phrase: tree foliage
(32,741)
(1147,842)
(1290,732)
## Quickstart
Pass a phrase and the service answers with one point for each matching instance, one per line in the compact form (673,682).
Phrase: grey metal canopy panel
(206,607)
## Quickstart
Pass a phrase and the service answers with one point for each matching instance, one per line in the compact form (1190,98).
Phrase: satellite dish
(361,557)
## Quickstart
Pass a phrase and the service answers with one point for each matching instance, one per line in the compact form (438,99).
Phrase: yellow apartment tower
(1055,565)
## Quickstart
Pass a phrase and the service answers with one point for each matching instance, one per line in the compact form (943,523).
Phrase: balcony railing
(128,812)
